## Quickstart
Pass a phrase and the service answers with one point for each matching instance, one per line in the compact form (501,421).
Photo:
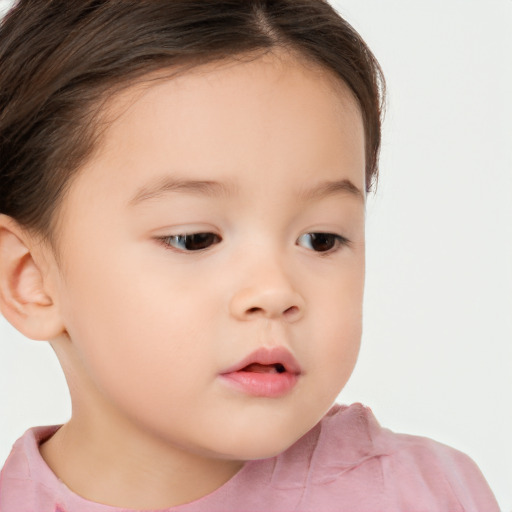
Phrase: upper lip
(268,356)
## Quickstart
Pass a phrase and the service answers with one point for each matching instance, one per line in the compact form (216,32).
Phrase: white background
(437,346)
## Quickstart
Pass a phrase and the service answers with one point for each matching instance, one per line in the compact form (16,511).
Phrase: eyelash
(337,240)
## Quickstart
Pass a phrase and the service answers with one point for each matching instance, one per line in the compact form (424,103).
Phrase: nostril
(292,310)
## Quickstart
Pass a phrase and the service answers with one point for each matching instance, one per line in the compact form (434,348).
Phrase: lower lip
(270,385)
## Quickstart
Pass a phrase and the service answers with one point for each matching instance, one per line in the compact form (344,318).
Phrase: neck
(127,469)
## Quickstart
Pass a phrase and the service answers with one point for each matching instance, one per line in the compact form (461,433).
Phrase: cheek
(138,337)
(338,330)
(337,344)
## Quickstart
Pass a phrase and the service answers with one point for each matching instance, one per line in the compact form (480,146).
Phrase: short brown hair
(59,60)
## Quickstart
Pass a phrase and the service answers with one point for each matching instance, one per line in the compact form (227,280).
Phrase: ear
(26,299)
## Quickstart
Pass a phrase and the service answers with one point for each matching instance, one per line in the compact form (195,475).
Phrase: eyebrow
(167,184)
(330,188)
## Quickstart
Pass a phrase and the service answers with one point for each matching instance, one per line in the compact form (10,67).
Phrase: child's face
(153,329)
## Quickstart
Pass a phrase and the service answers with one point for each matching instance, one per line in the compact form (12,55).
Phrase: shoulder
(26,483)
(355,456)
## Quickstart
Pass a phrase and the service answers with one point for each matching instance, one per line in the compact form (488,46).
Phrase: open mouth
(264,368)
(270,373)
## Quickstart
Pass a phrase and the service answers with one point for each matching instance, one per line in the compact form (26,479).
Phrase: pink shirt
(347,462)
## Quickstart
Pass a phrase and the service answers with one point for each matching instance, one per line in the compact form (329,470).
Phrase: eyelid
(340,242)
(164,241)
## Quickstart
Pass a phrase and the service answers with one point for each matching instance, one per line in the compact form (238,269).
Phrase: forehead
(257,72)
(271,121)
(227,105)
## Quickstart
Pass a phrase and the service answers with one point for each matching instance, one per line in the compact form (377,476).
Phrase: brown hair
(60,60)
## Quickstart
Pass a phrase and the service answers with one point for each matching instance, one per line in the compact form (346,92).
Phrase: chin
(262,443)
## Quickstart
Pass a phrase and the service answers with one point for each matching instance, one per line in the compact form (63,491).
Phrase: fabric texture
(347,462)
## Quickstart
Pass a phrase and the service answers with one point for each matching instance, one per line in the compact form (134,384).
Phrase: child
(182,217)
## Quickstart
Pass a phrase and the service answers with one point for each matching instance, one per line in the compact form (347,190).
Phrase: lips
(276,356)
(265,372)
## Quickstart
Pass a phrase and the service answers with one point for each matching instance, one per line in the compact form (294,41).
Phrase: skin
(142,331)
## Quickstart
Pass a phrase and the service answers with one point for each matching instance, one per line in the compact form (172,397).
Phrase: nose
(267,294)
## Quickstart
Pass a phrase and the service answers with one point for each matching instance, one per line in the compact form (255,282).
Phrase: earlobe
(24,300)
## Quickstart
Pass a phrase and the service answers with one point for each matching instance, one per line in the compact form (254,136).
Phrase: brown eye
(321,242)
(192,242)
